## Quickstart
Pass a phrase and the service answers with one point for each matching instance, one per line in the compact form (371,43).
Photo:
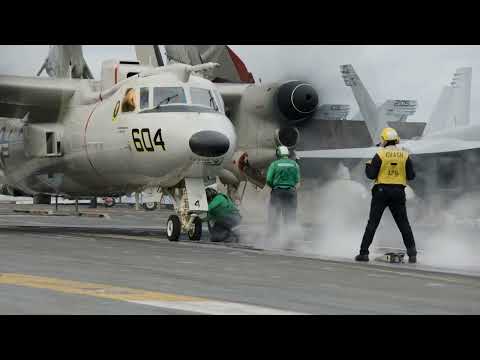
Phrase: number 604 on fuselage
(81,137)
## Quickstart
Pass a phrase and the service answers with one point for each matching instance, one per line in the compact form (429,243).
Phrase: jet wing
(42,98)
(415,147)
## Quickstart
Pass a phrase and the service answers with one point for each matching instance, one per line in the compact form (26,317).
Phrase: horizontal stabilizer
(400,109)
(333,112)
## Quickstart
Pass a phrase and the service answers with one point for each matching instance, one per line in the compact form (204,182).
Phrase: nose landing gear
(174,228)
(190,204)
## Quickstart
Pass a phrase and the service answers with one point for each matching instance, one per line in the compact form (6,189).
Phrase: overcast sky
(388,71)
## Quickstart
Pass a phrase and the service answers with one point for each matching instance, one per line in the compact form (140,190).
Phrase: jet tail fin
(376,118)
(453,106)
(368,109)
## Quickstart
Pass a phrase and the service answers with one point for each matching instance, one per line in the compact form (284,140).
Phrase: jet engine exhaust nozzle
(297,100)
(209,143)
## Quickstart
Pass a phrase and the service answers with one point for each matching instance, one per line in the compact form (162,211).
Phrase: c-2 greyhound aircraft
(138,127)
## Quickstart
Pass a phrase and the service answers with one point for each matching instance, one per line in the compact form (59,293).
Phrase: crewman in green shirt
(283,176)
(225,215)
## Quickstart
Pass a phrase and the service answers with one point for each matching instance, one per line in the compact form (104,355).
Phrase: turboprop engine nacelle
(296,101)
(287,136)
(282,103)
(268,114)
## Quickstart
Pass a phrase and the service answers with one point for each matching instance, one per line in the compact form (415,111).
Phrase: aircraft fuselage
(98,149)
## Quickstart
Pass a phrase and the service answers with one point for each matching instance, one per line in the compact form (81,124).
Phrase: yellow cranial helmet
(389,134)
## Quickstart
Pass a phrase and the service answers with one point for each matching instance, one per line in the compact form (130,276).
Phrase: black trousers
(283,203)
(393,197)
(222,229)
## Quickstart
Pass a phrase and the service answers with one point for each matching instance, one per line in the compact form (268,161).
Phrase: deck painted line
(138,296)
(212,307)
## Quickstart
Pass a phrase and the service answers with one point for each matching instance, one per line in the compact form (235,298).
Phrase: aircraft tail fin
(368,109)
(453,106)
(149,55)
(376,117)
(231,70)
(66,61)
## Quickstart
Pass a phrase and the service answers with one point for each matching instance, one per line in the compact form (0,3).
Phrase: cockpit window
(128,103)
(163,96)
(144,98)
(203,97)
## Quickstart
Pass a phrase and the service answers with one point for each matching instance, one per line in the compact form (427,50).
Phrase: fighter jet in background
(447,159)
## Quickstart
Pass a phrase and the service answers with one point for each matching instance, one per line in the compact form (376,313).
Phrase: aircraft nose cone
(209,143)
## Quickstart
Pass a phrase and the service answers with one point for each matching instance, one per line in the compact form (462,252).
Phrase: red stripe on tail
(243,73)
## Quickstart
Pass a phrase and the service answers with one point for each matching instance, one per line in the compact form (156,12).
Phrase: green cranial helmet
(282,151)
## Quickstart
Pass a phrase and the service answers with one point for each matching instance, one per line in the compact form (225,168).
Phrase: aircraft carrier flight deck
(118,261)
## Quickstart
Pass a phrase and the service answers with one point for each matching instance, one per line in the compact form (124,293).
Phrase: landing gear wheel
(150,206)
(195,232)
(173,228)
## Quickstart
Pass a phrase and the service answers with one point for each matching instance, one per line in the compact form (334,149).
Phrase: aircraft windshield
(203,97)
(163,96)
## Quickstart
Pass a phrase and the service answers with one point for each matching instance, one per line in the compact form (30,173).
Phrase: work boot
(412,255)
(361,257)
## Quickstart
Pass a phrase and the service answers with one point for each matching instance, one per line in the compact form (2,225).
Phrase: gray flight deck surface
(129,251)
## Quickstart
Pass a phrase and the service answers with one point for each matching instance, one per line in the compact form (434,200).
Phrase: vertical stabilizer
(453,106)
(149,55)
(461,84)
(368,109)
(66,61)
(376,117)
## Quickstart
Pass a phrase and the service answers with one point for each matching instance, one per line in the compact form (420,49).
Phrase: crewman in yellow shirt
(391,168)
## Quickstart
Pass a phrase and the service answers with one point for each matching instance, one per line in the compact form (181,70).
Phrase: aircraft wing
(42,98)
(352,153)
(414,147)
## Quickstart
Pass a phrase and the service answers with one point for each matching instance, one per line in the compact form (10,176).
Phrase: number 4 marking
(158,139)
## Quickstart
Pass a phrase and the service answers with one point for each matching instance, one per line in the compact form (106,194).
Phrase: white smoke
(332,217)
(451,239)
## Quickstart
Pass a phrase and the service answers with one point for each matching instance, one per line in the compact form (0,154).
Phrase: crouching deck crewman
(391,167)
(225,215)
